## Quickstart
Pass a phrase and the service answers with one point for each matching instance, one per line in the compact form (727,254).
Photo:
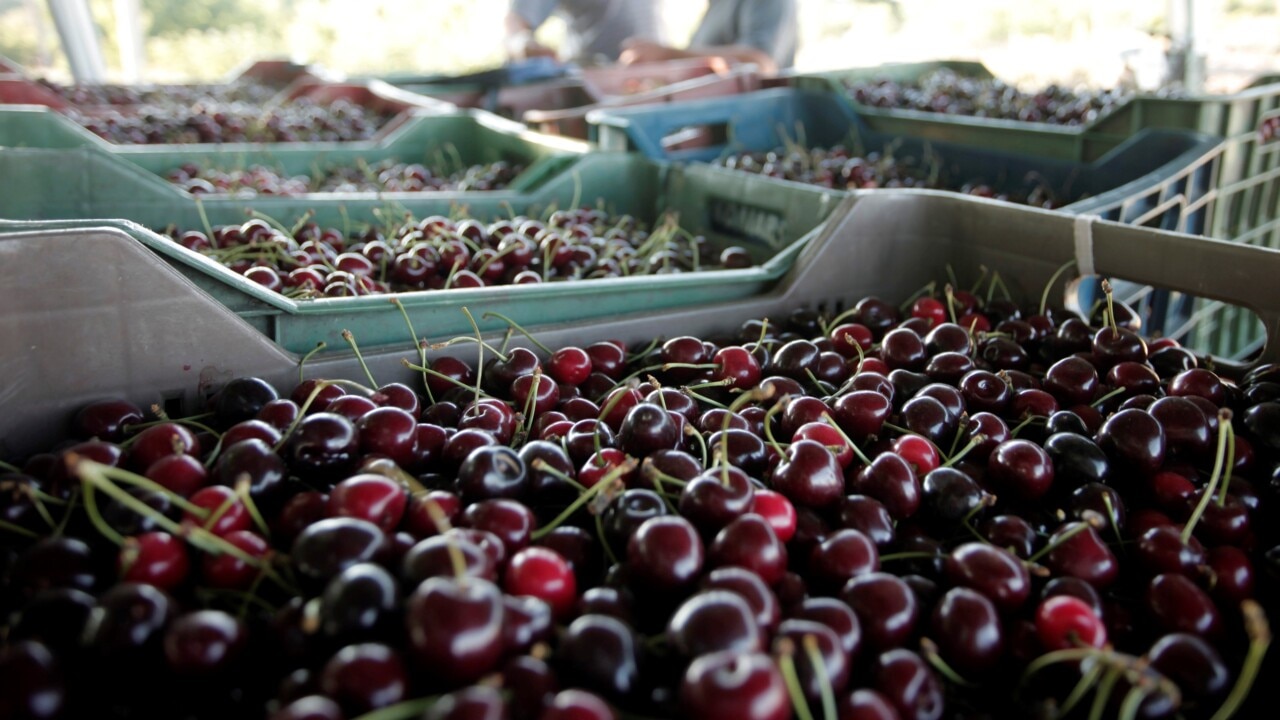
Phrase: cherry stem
(1103,693)
(1025,422)
(434,373)
(422,350)
(1259,632)
(302,412)
(9,468)
(1087,682)
(531,402)
(242,492)
(810,644)
(1229,464)
(786,664)
(401,711)
(1133,700)
(908,555)
(1053,280)
(973,443)
(929,649)
(690,366)
(302,364)
(692,391)
(543,466)
(1224,432)
(826,417)
(657,487)
(218,512)
(951,301)
(926,291)
(604,540)
(1111,307)
(768,424)
(1107,397)
(516,326)
(1075,529)
(36,500)
(149,484)
(897,428)
(18,530)
(702,442)
(480,346)
(605,482)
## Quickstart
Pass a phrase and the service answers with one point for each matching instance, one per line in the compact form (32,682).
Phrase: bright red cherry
(544,574)
(1065,621)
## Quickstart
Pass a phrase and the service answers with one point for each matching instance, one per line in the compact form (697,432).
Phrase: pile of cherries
(837,167)
(384,176)
(1269,130)
(952,510)
(945,91)
(299,120)
(171,96)
(439,253)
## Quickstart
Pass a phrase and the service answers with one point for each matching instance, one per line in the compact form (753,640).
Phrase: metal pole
(79,39)
(129,39)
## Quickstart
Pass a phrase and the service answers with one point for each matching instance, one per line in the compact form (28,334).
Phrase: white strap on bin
(1084,244)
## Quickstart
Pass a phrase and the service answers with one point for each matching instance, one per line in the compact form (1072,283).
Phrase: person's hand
(636,50)
(522,46)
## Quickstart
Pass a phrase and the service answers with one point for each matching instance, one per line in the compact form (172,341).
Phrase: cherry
(230,572)
(1072,380)
(183,474)
(455,627)
(1179,605)
(358,603)
(205,643)
(843,555)
(435,557)
(925,415)
(575,704)
(906,680)
(1198,382)
(155,558)
(324,445)
(1191,663)
(105,420)
(734,686)
(1079,552)
(777,511)
(886,608)
(1064,621)
(375,498)
(809,475)
(56,618)
(714,620)
(476,701)
(862,413)
(35,687)
(569,366)
(1134,440)
(1021,467)
(922,455)
(866,704)
(995,573)
(715,498)
(984,391)
(220,499)
(389,431)
(601,652)
(55,562)
(544,574)
(890,480)
(365,677)
(1076,459)
(492,471)
(749,542)
(835,672)
(1161,550)
(159,441)
(967,630)
(130,621)
(868,516)
(1011,533)
(511,522)
(665,553)
(751,588)
(1233,572)
(242,399)
(328,547)
(948,496)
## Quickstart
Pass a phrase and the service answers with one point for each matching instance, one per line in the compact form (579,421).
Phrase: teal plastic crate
(1135,183)
(771,223)
(127,181)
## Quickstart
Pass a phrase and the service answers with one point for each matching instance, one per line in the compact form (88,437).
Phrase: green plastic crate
(771,223)
(126,181)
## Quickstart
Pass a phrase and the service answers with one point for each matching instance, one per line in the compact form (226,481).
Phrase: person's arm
(523,18)
(642,51)
(761,32)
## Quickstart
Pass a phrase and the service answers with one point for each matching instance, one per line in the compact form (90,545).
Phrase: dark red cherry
(435,557)
(204,643)
(967,630)
(1080,552)
(1192,663)
(477,702)
(1077,460)
(359,603)
(749,542)
(842,555)
(890,480)
(375,498)
(734,686)
(105,420)
(985,391)
(996,573)
(1134,440)
(455,627)
(1179,605)
(715,498)
(868,516)
(665,554)
(1072,380)
(328,547)
(600,652)
(1021,468)
(242,399)
(809,475)
(748,585)
(908,682)
(886,608)
(835,663)
(714,620)
(35,688)
(862,413)
(492,471)
(1161,550)
(365,677)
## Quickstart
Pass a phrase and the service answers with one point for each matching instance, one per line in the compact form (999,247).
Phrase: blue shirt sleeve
(534,12)
(767,25)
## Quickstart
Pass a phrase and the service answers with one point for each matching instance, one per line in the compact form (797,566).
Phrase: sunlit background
(1084,41)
